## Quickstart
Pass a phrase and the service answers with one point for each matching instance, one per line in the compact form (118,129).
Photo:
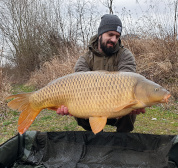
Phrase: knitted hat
(110,23)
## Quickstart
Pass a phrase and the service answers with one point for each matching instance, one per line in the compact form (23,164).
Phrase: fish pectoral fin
(97,123)
(130,104)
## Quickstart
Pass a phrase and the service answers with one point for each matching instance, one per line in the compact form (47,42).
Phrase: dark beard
(107,50)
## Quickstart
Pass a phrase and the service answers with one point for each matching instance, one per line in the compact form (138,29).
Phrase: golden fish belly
(88,94)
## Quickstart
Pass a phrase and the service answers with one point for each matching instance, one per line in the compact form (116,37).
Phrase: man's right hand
(63,111)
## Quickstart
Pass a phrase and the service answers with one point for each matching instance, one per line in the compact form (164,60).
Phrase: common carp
(95,95)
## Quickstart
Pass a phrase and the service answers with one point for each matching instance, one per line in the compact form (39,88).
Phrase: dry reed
(4,91)
(157,60)
(53,69)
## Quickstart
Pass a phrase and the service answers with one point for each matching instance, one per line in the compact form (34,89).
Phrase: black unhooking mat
(86,150)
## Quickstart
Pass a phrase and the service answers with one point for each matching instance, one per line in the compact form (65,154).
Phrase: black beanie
(110,23)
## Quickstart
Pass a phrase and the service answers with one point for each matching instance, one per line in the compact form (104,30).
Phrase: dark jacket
(121,60)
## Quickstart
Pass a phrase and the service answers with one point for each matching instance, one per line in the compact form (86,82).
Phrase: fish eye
(156,89)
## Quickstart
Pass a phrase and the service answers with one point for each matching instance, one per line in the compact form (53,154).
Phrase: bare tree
(18,26)
(38,30)
(109,5)
(86,20)
(175,25)
(27,28)
(1,55)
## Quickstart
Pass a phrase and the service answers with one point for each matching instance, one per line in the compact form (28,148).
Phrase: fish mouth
(165,99)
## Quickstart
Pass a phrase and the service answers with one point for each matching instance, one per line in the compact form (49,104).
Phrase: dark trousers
(124,124)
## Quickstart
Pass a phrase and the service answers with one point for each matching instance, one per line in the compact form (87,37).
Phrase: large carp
(95,95)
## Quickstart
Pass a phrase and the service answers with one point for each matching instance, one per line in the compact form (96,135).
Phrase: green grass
(22,88)
(6,123)
(157,120)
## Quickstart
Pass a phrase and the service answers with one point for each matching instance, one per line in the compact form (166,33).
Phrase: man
(105,52)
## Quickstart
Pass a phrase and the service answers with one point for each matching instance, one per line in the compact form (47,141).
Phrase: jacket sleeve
(81,65)
(127,61)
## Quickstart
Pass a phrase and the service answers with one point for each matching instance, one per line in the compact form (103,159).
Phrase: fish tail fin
(28,113)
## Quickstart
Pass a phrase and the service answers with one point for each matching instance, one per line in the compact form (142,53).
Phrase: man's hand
(138,111)
(63,111)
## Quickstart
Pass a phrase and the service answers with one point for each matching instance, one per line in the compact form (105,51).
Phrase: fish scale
(94,95)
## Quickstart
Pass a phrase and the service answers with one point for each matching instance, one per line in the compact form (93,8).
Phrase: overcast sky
(141,5)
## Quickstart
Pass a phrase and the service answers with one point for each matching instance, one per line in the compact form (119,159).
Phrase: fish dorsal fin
(97,123)
(129,104)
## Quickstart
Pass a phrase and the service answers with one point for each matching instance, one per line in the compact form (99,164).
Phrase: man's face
(108,41)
